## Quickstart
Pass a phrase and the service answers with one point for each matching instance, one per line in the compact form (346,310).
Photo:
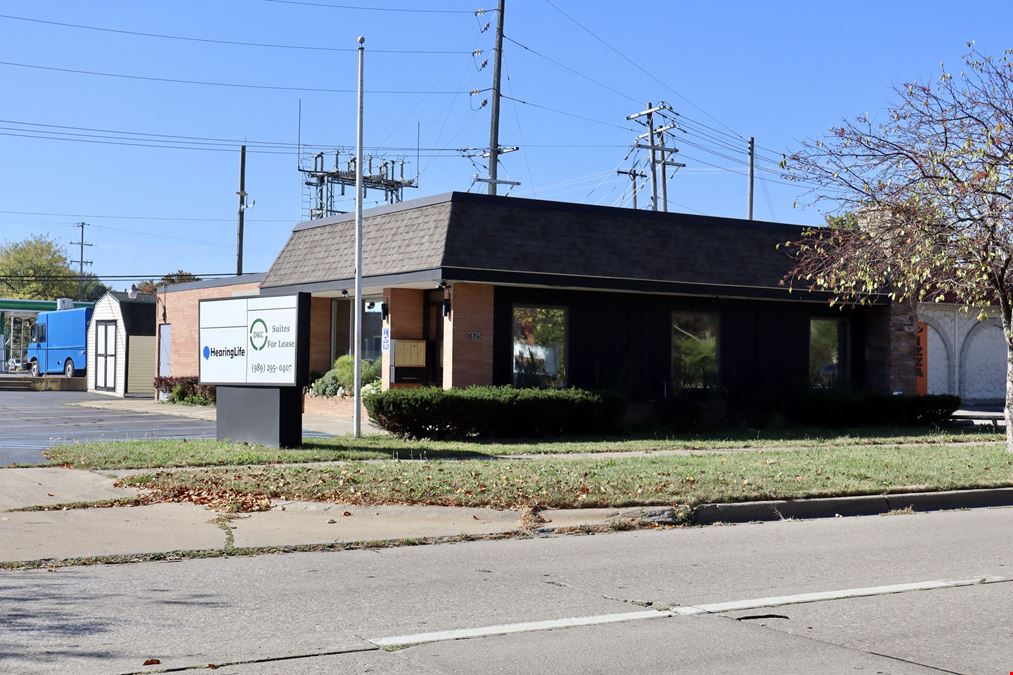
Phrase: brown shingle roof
(480,232)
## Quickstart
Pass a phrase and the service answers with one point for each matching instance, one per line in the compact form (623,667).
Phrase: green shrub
(185,390)
(431,412)
(344,368)
(339,381)
(869,408)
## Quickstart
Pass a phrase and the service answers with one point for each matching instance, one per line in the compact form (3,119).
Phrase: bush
(339,381)
(868,408)
(431,412)
(185,390)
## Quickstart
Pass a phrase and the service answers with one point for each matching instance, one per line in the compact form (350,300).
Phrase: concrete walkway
(318,424)
(163,528)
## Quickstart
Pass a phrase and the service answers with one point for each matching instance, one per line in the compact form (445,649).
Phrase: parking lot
(34,421)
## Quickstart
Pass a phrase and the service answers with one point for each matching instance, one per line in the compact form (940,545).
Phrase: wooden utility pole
(752,161)
(494,117)
(634,175)
(242,209)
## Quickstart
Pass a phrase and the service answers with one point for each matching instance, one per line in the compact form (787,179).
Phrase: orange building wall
(467,336)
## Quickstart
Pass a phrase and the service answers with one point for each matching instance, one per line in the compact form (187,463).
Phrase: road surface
(915,593)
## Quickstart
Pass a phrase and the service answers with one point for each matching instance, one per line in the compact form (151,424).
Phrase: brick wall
(405,307)
(180,310)
(891,349)
(467,336)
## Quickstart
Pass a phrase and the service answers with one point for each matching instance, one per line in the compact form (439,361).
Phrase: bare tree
(933,186)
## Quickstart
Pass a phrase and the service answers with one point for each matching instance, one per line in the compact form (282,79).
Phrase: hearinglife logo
(231,352)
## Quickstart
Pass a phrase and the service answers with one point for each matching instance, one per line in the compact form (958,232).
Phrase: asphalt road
(33,421)
(325,612)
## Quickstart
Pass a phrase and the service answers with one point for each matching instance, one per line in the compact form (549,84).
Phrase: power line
(120,217)
(638,66)
(413,10)
(233,43)
(569,114)
(568,68)
(239,85)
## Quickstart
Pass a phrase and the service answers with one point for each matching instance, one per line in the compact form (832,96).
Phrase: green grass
(175,453)
(612,482)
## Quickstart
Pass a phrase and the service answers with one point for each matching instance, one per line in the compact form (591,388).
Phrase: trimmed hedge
(503,412)
(185,390)
(773,409)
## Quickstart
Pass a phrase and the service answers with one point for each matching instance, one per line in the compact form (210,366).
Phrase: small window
(540,341)
(827,350)
(694,350)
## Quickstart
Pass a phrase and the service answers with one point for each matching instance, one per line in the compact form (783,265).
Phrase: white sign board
(385,339)
(249,341)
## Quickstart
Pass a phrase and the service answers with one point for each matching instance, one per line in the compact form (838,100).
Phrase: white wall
(966,356)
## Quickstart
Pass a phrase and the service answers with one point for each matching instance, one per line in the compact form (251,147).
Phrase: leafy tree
(37,269)
(91,288)
(178,277)
(933,188)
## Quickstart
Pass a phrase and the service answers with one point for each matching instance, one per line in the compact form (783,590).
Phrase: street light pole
(357,298)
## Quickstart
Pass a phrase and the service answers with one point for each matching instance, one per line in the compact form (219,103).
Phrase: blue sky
(779,71)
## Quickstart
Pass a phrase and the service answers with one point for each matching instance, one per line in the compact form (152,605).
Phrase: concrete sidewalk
(321,424)
(164,528)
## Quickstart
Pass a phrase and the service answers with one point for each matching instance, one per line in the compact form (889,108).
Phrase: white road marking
(688,610)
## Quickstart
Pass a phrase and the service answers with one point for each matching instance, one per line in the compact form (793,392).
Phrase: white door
(105,355)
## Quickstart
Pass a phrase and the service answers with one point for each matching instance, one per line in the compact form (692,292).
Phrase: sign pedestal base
(263,415)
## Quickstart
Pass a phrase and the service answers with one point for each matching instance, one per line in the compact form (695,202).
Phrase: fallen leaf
(346,513)
(151,662)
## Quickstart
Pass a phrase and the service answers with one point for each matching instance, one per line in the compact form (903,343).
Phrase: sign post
(256,352)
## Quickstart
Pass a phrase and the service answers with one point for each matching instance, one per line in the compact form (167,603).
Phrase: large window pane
(694,350)
(826,353)
(539,346)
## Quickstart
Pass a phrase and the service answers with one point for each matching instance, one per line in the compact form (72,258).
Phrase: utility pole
(650,147)
(357,299)
(242,209)
(81,262)
(634,175)
(494,117)
(664,170)
(752,161)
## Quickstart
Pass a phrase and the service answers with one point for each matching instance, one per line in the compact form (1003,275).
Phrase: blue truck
(58,342)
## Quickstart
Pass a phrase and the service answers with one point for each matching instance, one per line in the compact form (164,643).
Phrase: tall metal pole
(357,300)
(494,117)
(752,161)
(664,171)
(653,159)
(242,209)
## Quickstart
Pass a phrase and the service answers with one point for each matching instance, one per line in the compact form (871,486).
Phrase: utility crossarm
(656,148)
(658,130)
(649,111)
(496,181)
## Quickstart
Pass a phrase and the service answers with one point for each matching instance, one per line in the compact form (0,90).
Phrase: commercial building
(476,289)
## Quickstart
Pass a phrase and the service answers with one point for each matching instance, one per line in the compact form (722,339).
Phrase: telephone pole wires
(242,209)
(81,262)
(656,148)
(752,162)
(494,117)
(634,176)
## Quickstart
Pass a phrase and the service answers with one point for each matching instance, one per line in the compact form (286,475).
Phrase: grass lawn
(175,453)
(585,482)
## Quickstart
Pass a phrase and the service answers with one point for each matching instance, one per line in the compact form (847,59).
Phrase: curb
(865,505)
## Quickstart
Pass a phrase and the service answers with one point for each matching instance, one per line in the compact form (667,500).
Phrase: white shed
(121,345)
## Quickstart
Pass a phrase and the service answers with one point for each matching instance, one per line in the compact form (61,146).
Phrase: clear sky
(152,166)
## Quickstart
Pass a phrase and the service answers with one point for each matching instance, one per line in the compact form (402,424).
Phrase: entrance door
(105,355)
(433,331)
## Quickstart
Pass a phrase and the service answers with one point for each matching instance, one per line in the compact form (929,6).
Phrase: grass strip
(597,482)
(142,454)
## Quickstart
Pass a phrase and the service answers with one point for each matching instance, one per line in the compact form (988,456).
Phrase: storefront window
(694,350)
(826,353)
(539,346)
